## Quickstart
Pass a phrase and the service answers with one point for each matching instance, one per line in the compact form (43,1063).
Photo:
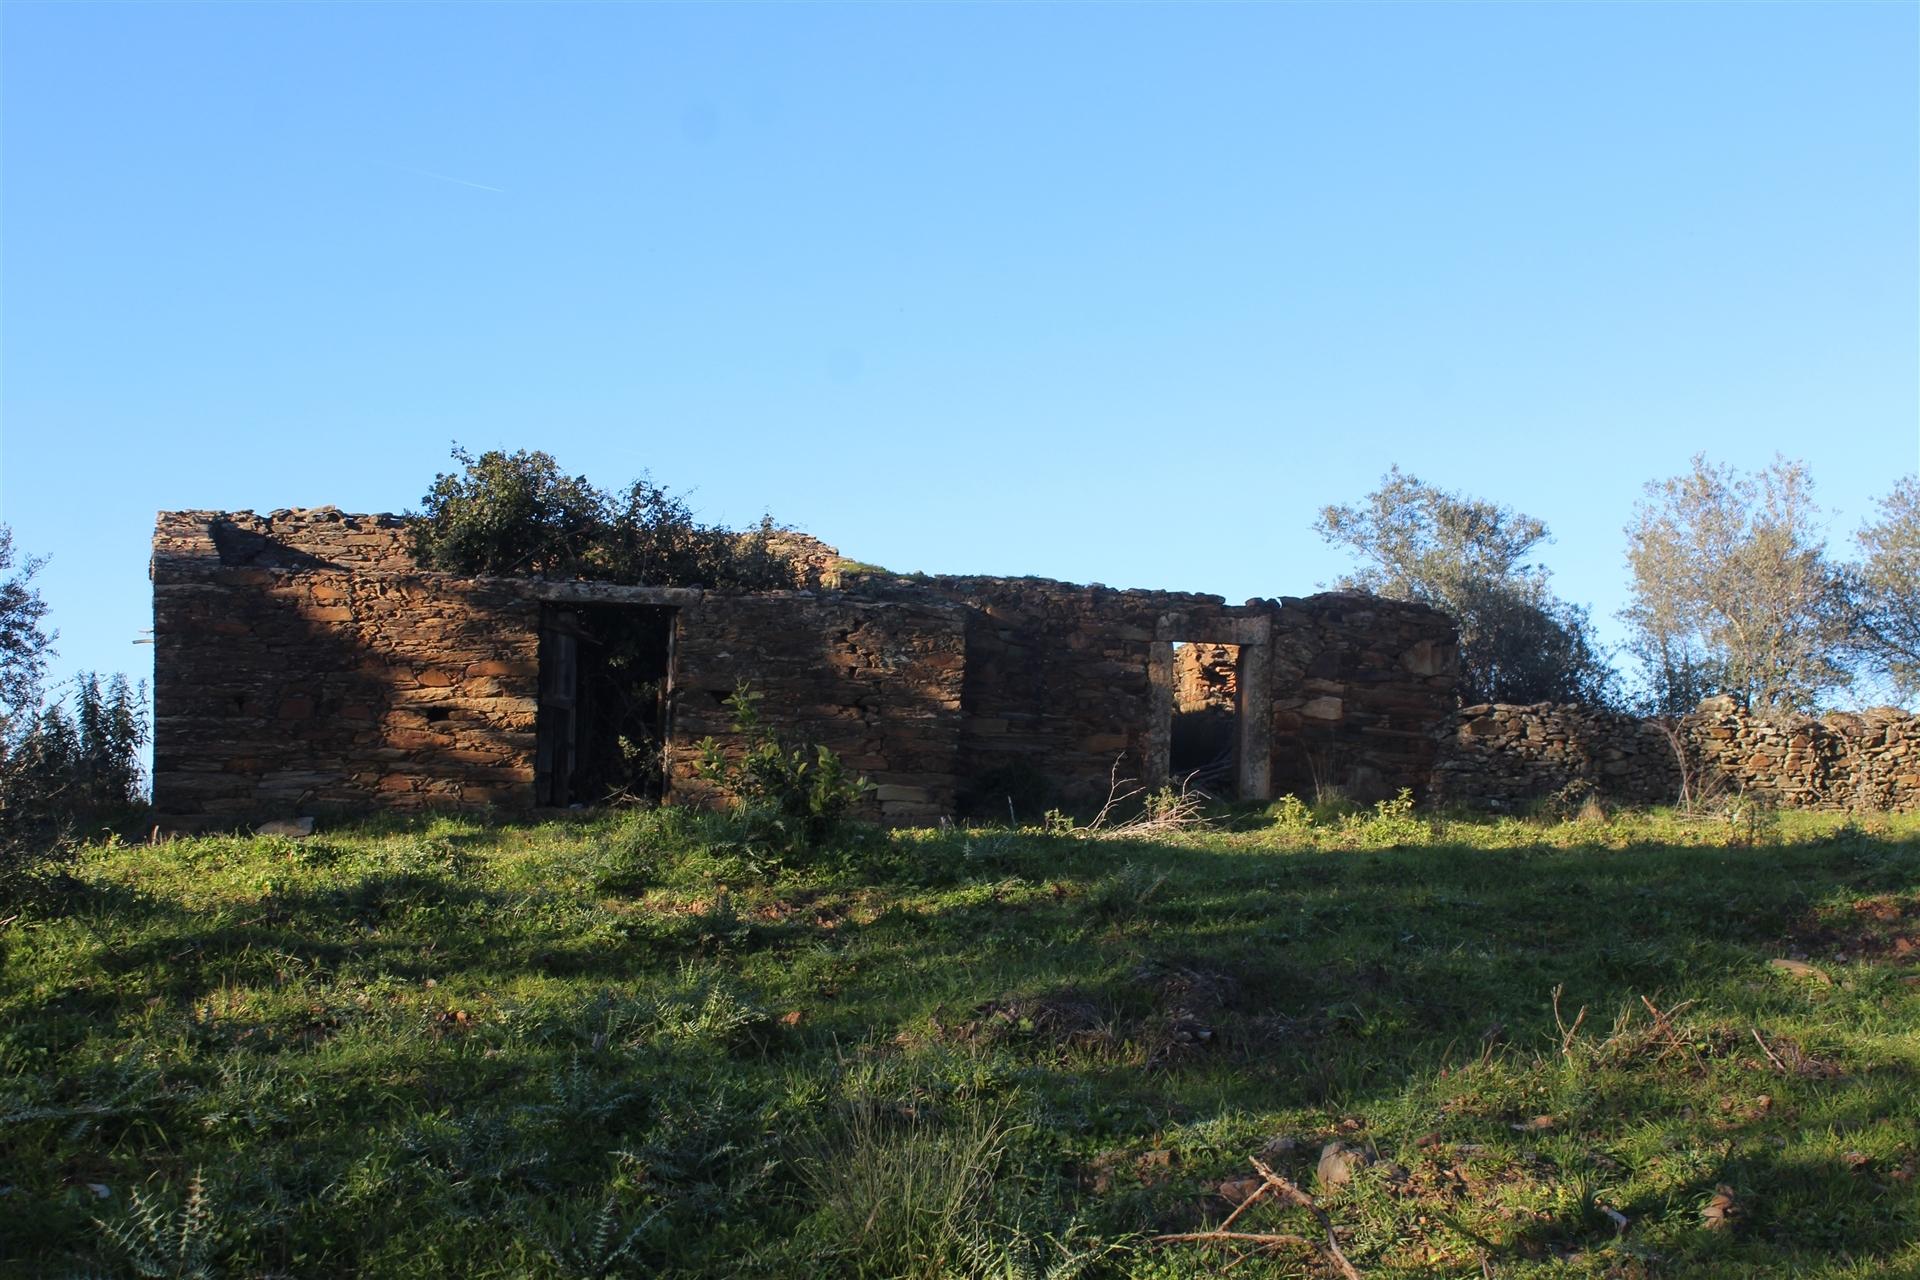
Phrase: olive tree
(1733,592)
(1887,592)
(1470,558)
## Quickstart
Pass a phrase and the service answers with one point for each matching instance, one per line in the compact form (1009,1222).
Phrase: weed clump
(789,801)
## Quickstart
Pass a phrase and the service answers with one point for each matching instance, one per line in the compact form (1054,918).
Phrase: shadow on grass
(1143,992)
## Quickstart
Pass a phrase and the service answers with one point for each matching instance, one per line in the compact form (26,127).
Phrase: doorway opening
(1203,742)
(606,675)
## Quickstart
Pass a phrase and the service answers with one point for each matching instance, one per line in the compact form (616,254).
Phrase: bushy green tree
(652,536)
(76,764)
(1887,591)
(24,640)
(509,514)
(1472,559)
(60,770)
(519,514)
(1733,591)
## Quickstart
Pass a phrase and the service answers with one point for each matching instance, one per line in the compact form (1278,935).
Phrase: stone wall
(1505,755)
(303,661)
(815,563)
(1359,685)
(877,682)
(1057,691)
(286,682)
(1205,677)
(314,538)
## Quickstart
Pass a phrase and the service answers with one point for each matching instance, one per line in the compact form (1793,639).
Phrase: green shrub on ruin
(519,515)
(788,799)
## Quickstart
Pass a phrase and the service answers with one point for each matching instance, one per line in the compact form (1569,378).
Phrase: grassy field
(620,1046)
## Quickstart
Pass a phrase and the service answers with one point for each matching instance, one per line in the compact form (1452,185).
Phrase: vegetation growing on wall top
(518,514)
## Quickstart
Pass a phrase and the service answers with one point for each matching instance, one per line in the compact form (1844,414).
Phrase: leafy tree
(652,537)
(519,514)
(1733,591)
(1887,591)
(57,770)
(24,642)
(1469,558)
(109,729)
(509,514)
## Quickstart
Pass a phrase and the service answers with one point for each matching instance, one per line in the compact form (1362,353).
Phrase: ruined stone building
(304,663)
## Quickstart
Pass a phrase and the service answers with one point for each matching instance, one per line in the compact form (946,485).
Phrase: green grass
(619,1046)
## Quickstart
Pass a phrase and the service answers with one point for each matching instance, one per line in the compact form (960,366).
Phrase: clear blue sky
(1116,294)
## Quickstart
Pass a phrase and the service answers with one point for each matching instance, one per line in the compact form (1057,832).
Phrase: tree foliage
(1470,558)
(76,764)
(1733,591)
(24,640)
(519,514)
(1887,591)
(62,766)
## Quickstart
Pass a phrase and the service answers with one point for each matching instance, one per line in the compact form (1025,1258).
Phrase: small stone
(1236,1190)
(1339,1162)
(292,828)
(1801,969)
(1722,1211)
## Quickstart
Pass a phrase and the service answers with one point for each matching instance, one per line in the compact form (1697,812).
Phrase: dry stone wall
(1359,685)
(291,676)
(1503,755)
(877,683)
(1057,690)
(1205,677)
(303,661)
(815,564)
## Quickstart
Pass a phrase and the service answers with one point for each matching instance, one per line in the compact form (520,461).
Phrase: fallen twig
(1297,1196)
(1270,1182)
(1244,1205)
(1182,811)
(1663,1023)
(1772,1057)
(1244,1237)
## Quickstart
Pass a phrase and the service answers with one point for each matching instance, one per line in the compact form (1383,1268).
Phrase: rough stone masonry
(304,663)
(1493,755)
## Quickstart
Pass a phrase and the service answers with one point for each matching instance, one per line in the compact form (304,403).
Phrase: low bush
(518,514)
(788,800)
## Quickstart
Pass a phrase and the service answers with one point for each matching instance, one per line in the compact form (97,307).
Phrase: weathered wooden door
(556,732)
